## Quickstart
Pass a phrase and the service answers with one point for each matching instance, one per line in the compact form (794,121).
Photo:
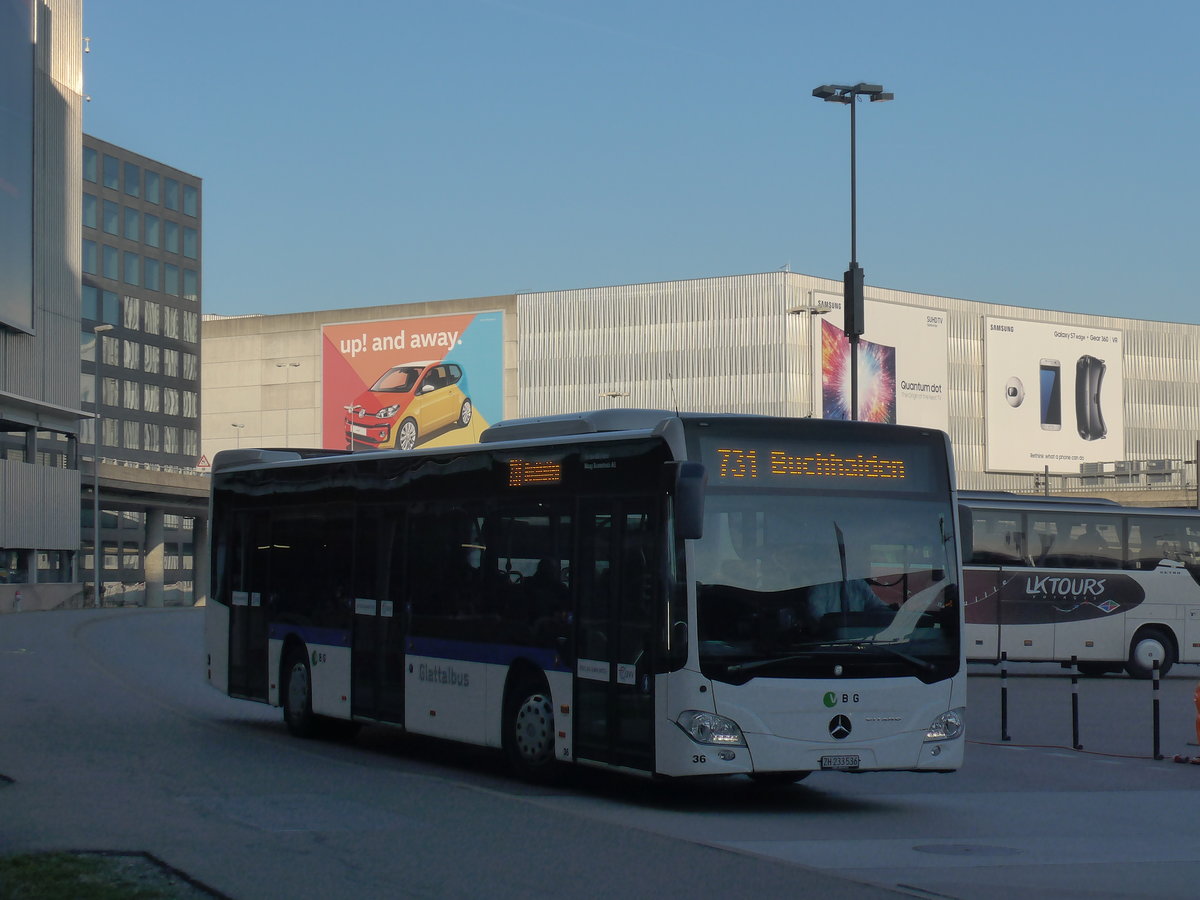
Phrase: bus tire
(296,686)
(1148,645)
(529,730)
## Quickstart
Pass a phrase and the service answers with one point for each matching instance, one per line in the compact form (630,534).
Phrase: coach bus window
(1153,539)
(1079,540)
(997,538)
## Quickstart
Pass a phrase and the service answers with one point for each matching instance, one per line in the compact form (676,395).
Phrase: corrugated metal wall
(728,345)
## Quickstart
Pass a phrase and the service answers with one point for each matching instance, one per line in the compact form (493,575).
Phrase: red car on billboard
(407,405)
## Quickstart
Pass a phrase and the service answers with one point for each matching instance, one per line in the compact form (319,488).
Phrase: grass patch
(88,876)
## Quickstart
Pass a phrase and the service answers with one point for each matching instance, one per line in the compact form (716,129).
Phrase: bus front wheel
(297,695)
(1148,645)
(529,731)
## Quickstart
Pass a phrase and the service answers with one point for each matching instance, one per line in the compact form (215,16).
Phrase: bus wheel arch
(528,724)
(1149,643)
(295,689)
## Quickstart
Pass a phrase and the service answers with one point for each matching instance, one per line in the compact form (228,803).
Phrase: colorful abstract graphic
(876,378)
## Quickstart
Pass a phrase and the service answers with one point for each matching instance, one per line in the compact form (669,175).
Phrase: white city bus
(1104,585)
(634,589)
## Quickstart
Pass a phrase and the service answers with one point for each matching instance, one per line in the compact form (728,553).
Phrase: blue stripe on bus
(328,637)
(437,648)
(472,651)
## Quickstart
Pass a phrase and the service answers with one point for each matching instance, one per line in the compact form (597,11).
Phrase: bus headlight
(709,728)
(947,726)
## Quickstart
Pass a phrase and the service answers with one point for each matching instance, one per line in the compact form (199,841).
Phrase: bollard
(1197,700)
(1157,734)
(1075,708)
(1004,700)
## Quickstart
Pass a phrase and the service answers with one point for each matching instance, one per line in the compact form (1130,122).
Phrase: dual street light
(852,281)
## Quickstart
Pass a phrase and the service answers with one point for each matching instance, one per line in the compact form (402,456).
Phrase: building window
(132,354)
(151,274)
(191,444)
(89,164)
(151,437)
(170,401)
(191,325)
(171,236)
(151,397)
(191,371)
(170,439)
(191,200)
(111,263)
(112,172)
(171,194)
(133,314)
(133,268)
(191,408)
(152,195)
(151,230)
(191,242)
(151,316)
(110,350)
(91,301)
(132,398)
(171,363)
(112,308)
(191,285)
(151,356)
(131,436)
(89,210)
(171,279)
(89,257)
(133,224)
(111,220)
(110,430)
(171,322)
(133,180)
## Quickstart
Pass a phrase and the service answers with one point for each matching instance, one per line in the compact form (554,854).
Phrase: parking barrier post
(1075,707)
(1157,730)
(1004,736)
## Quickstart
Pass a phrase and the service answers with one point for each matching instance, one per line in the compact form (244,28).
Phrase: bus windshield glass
(817,584)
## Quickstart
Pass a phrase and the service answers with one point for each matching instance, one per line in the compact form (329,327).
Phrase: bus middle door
(618,567)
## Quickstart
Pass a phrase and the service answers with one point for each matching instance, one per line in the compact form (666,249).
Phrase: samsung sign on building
(16,163)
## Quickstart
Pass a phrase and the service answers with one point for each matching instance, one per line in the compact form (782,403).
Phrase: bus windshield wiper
(755,665)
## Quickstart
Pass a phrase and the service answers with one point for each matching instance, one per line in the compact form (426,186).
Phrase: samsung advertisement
(16,164)
(902,364)
(1054,396)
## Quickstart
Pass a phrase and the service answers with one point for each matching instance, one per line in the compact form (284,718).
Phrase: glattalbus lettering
(443,675)
(1062,586)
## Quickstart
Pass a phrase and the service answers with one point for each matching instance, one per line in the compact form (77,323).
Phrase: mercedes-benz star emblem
(839,727)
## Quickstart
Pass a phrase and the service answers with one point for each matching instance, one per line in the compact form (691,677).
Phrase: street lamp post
(239,426)
(287,413)
(97,544)
(852,281)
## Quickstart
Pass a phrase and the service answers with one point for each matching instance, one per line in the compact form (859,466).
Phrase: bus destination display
(847,468)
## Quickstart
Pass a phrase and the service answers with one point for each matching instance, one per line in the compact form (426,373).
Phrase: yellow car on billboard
(407,405)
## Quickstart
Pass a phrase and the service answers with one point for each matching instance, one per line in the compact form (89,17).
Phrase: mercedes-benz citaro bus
(669,594)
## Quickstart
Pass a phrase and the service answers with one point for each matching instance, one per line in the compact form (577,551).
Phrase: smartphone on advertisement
(1051,378)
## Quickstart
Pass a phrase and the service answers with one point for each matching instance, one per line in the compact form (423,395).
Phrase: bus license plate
(840,762)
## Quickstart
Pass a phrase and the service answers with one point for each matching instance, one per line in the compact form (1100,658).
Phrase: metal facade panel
(728,345)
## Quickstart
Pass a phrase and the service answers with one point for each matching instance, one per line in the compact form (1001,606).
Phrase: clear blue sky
(1042,154)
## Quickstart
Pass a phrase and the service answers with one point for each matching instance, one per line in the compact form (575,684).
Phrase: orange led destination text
(737,463)
(533,471)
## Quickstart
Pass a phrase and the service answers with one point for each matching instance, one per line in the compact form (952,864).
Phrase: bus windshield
(820,584)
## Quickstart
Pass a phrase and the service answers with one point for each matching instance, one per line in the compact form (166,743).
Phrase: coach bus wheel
(1148,645)
(407,438)
(464,414)
(297,695)
(529,731)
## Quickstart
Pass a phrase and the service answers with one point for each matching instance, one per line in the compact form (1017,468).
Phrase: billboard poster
(423,382)
(1053,396)
(902,364)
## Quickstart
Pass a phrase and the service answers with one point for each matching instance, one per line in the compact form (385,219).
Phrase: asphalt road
(110,740)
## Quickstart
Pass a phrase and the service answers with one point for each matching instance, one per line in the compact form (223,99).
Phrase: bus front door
(614,684)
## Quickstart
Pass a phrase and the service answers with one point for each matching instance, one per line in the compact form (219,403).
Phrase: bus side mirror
(688,490)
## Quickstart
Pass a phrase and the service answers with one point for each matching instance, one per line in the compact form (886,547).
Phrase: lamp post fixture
(287,413)
(852,281)
(239,426)
(97,544)
(812,311)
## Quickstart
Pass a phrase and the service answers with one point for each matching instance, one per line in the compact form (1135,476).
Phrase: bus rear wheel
(1148,645)
(297,694)
(529,731)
